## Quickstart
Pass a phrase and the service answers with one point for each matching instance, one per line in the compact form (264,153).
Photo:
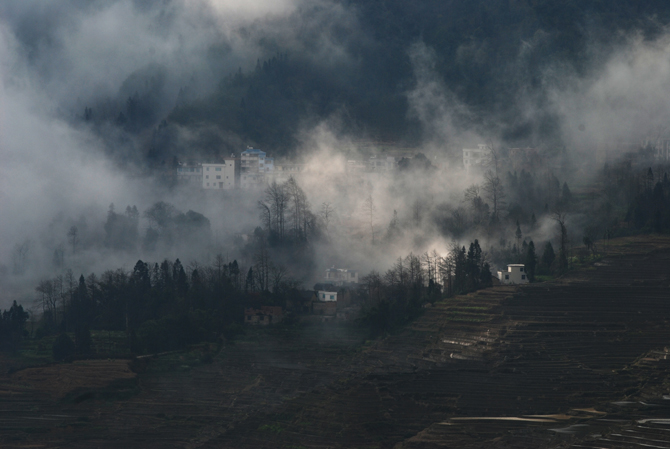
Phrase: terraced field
(580,362)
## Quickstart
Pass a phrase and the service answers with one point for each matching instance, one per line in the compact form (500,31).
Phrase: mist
(58,170)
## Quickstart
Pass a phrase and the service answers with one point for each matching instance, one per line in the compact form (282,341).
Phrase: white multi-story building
(380,164)
(283,171)
(340,276)
(476,157)
(221,175)
(515,274)
(255,165)
(661,148)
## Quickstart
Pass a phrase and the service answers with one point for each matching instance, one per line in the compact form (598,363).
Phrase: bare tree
(49,300)
(299,208)
(273,209)
(374,284)
(370,211)
(262,266)
(471,193)
(278,275)
(20,256)
(266,215)
(478,209)
(73,236)
(326,214)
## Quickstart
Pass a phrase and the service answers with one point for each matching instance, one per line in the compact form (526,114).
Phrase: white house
(476,157)
(340,276)
(221,175)
(515,274)
(326,296)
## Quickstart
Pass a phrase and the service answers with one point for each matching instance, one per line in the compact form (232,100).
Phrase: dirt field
(578,362)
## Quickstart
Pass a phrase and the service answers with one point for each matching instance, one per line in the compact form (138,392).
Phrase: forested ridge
(496,57)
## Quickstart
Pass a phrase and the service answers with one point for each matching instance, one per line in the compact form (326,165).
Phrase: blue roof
(252,151)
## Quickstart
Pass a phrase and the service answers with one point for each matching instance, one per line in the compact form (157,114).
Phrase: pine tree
(548,257)
(531,261)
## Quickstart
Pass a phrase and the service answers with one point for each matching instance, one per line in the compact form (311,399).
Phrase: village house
(326,296)
(340,276)
(515,274)
(264,316)
(325,303)
(221,175)
(474,158)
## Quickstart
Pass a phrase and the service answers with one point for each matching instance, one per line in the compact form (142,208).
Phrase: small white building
(326,296)
(221,175)
(476,157)
(515,274)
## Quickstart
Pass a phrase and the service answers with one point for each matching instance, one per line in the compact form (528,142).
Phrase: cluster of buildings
(252,169)
(331,300)
(482,158)
(334,298)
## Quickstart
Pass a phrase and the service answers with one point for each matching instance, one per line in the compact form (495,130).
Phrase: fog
(56,58)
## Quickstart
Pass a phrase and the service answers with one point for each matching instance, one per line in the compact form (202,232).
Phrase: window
(207,184)
(507,276)
(323,296)
(207,168)
(218,176)
(206,176)
(523,276)
(332,296)
(218,168)
(521,269)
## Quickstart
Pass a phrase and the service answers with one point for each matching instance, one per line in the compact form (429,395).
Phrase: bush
(63,347)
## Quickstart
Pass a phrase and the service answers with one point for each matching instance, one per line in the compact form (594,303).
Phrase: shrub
(63,347)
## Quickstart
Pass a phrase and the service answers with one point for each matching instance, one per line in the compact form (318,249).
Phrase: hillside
(579,362)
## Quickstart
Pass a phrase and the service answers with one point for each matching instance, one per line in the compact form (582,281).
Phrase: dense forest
(496,57)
